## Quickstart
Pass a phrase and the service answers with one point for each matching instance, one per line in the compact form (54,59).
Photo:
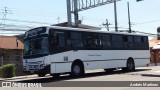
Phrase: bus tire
(77,70)
(130,65)
(41,74)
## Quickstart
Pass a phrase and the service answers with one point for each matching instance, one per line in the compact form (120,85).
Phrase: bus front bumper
(45,70)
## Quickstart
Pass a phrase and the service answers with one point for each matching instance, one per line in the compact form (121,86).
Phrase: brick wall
(13,57)
(155,55)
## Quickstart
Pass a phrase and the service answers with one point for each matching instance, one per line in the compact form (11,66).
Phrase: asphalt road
(92,79)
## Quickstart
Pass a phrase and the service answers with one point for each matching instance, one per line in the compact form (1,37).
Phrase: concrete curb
(151,75)
(18,77)
(153,64)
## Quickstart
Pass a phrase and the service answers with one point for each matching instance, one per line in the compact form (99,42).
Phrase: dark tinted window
(118,45)
(57,41)
(77,41)
(76,35)
(130,38)
(105,41)
(100,41)
(137,39)
(128,42)
(74,40)
(91,40)
(117,42)
(145,42)
(116,38)
(144,39)
(61,41)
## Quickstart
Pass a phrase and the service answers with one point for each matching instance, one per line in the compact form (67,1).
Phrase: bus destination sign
(35,32)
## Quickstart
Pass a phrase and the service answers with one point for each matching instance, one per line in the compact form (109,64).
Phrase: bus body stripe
(98,60)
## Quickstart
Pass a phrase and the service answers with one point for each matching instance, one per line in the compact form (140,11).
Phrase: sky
(24,14)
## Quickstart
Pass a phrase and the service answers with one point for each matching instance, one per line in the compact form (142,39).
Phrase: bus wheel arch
(130,65)
(77,68)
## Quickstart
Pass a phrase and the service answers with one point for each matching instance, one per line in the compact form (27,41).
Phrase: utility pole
(69,15)
(5,12)
(115,16)
(76,13)
(129,21)
(75,6)
(107,25)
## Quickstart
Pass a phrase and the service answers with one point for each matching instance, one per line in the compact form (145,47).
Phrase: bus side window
(125,40)
(76,41)
(105,42)
(128,42)
(59,40)
(88,40)
(95,40)
(145,44)
(138,42)
(117,42)
(91,40)
(68,40)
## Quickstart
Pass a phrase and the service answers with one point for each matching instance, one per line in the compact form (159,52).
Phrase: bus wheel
(41,74)
(77,70)
(130,65)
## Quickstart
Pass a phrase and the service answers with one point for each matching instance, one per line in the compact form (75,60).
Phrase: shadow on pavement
(68,77)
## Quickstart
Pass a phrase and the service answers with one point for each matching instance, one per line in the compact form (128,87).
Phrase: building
(11,52)
(155,50)
(65,24)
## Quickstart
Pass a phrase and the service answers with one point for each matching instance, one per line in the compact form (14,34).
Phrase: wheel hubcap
(130,65)
(76,69)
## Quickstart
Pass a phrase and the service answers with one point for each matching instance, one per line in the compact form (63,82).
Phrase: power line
(35,11)
(13,30)
(18,20)
(42,14)
(13,25)
(147,22)
(13,33)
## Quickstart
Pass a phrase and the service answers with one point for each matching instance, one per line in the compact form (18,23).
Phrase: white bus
(59,50)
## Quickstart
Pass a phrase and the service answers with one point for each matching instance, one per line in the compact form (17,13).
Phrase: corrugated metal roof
(10,42)
(157,46)
(65,24)
(153,42)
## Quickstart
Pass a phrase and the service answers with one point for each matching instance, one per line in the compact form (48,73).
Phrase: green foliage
(8,71)
(0,71)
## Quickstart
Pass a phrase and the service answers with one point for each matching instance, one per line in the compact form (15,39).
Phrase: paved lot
(141,74)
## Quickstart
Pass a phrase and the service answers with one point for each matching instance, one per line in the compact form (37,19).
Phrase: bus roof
(89,30)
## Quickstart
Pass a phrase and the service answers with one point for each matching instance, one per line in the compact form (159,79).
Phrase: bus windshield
(36,46)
